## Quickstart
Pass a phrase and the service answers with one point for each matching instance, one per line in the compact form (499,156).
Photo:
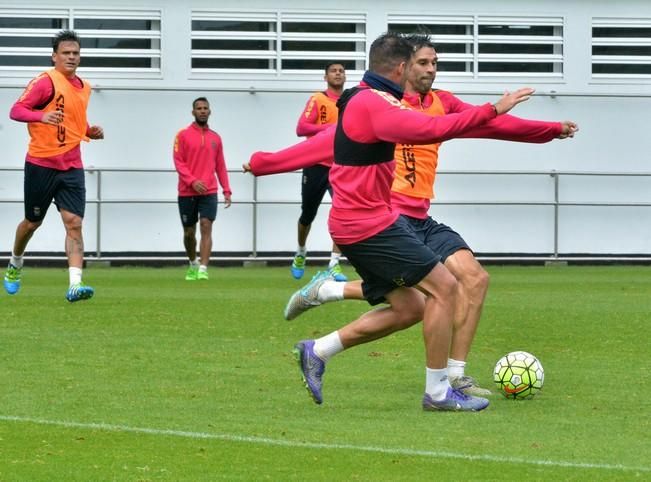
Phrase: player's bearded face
(422,70)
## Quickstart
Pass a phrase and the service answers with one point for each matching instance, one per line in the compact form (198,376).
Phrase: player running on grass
(54,107)
(411,192)
(319,113)
(395,265)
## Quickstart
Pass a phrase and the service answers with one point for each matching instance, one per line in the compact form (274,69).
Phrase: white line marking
(313,445)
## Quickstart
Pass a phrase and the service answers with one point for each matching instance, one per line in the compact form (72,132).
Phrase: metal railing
(556,203)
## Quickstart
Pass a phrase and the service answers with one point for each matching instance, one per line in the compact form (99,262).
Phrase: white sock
(203,268)
(436,382)
(331,290)
(194,263)
(334,259)
(17,261)
(456,368)
(75,276)
(301,251)
(328,346)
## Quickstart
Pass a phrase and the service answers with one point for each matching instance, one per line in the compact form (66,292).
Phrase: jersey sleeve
(307,123)
(220,168)
(315,150)
(505,127)
(37,93)
(380,116)
(180,162)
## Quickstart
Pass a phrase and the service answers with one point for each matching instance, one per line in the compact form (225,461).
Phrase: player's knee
(477,283)
(32,226)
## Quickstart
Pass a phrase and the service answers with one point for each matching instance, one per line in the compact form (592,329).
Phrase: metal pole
(255,218)
(556,176)
(99,215)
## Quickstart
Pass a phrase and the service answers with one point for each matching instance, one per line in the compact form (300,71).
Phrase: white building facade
(257,62)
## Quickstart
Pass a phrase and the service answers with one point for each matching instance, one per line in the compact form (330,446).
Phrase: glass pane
(515,49)
(24,61)
(232,25)
(314,64)
(319,27)
(455,48)
(308,46)
(546,30)
(621,32)
(621,69)
(138,62)
(259,64)
(453,67)
(519,67)
(31,23)
(233,44)
(112,24)
(25,42)
(438,29)
(621,50)
(116,43)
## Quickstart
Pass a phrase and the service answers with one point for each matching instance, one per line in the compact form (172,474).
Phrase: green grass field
(160,379)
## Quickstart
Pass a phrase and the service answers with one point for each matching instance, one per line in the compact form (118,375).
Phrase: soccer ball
(519,375)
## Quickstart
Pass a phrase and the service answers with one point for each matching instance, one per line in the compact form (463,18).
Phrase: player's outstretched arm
(510,99)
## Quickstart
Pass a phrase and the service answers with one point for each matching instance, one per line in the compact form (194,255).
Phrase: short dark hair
(388,51)
(333,62)
(199,99)
(64,36)
(419,41)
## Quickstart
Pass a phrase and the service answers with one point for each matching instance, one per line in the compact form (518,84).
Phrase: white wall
(140,118)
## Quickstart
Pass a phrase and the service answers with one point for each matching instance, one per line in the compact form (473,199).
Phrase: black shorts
(191,208)
(43,184)
(314,185)
(390,259)
(441,239)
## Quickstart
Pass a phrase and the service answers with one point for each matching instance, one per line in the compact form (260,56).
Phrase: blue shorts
(191,208)
(441,239)
(392,258)
(314,184)
(44,184)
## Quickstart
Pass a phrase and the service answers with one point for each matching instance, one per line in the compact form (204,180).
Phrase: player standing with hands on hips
(198,156)
(54,106)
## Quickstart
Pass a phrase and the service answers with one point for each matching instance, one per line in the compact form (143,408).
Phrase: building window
(111,41)
(278,43)
(26,37)
(124,40)
(621,48)
(482,47)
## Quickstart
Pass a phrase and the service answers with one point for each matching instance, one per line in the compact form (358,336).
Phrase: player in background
(320,112)
(395,266)
(411,192)
(198,157)
(54,106)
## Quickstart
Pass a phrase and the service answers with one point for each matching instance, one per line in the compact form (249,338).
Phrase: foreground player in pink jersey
(54,107)
(395,265)
(199,162)
(412,190)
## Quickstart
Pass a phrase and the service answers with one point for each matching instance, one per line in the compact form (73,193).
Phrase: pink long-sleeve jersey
(361,205)
(198,156)
(26,109)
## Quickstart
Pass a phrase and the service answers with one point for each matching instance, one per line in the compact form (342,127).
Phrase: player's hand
(95,132)
(246,167)
(52,118)
(510,99)
(199,186)
(227,201)
(569,128)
